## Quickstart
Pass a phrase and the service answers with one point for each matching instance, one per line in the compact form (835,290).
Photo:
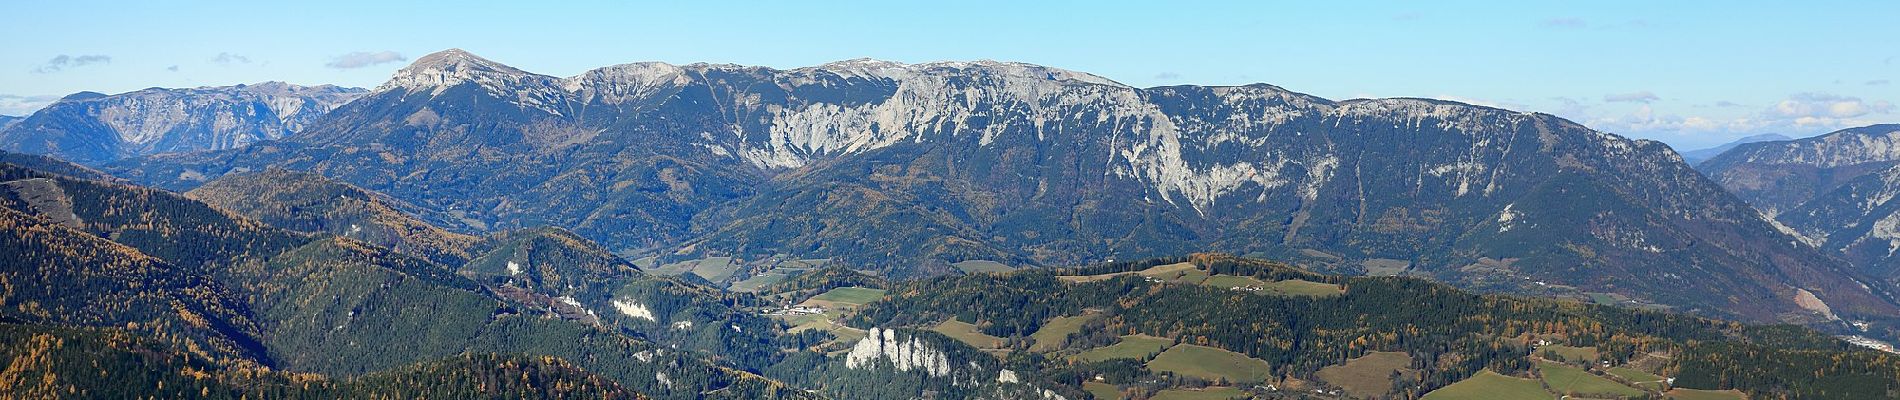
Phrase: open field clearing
(1564,378)
(968,334)
(1049,338)
(1210,393)
(1132,347)
(1487,385)
(855,296)
(1210,363)
(1366,376)
(981,266)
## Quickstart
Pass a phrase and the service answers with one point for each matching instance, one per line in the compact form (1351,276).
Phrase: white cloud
(228,58)
(1167,76)
(1570,107)
(17,105)
(1646,119)
(1632,97)
(1797,115)
(1565,22)
(1826,106)
(63,61)
(364,59)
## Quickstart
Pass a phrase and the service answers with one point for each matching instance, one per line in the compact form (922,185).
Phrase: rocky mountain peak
(619,83)
(458,59)
(450,68)
(1012,69)
(871,68)
(285,88)
(82,96)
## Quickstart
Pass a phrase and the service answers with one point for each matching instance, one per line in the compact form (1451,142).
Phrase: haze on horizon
(1692,74)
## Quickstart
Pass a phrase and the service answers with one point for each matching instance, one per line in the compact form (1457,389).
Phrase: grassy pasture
(674,269)
(716,269)
(1231,281)
(1565,378)
(1487,385)
(1301,287)
(1133,347)
(1571,354)
(981,266)
(1385,266)
(855,296)
(1049,338)
(1170,272)
(1209,393)
(968,334)
(1367,376)
(822,322)
(1642,379)
(758,281)
(1102,391)
(1210,363)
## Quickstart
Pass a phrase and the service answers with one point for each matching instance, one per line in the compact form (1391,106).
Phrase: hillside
(109,363)
(313,204)
(57,275)
(53,165)
(234,291)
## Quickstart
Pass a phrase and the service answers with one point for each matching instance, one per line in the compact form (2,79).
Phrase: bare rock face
(882,346)
(905,168)
(93,128)
(940,364)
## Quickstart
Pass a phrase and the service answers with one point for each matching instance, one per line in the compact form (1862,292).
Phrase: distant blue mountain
(1696,157)
(91,127)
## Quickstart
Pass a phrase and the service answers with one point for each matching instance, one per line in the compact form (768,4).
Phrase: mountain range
(1833,191)
(480,218)
(907,169)
(91,127)
(1697,156)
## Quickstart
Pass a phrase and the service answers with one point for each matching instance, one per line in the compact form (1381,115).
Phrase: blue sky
(1691,73)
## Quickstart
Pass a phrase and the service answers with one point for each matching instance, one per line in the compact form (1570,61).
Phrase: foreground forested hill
(233,294)
(47,362)
(1245,324)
